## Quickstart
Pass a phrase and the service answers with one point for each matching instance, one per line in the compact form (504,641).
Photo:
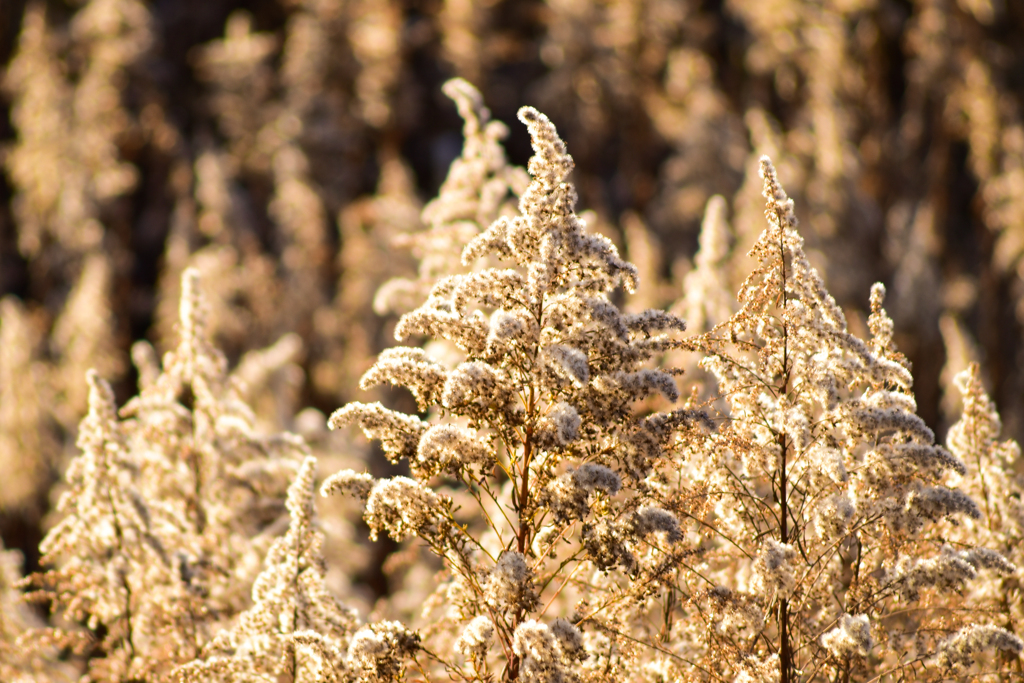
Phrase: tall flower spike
(531,433)
(200,361)
(478,189)
(107,567)
(822,469)
(708,300)
(990,478)
(166,512)
(295,627)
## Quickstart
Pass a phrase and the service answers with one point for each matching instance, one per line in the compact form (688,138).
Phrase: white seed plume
(851,636)
(348,482)
(510,586)
(476,638)
(960,651)
(774,569)
(559,427)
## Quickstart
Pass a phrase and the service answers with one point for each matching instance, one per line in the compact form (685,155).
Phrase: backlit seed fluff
(476,638)
(568,494)
(399,433)
(652,520)
(450,446)
(348,482)
(506,327)
(569,638)
(965,647)
(591,476)
(543,660)
(559,427)
(774,569)
(379,648)
(851,636)
(510,586)
(404,507)
(569,362)
(834,516)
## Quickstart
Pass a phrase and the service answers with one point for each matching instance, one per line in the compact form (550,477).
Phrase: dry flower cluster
(562,480)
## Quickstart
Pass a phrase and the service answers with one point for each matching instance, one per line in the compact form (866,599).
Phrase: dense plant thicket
(280,146)
(563,479)
(793,519)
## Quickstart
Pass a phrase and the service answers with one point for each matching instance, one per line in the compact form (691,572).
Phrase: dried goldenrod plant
(583,524)
(167,511)
(529,472)
(993,480)
(295,629)
(825,559)
(474,194)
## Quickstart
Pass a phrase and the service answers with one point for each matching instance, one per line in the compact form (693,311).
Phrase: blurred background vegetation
(283,146)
